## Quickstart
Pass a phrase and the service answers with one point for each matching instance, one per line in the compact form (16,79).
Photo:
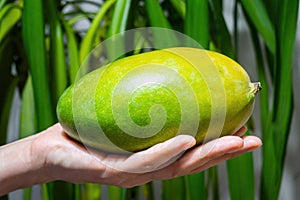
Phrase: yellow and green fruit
(141,100)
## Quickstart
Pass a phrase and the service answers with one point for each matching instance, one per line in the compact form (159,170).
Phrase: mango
(138,101)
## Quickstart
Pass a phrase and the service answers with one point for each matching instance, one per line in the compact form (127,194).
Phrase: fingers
(207,152)
(204,153)
(207,155)
(241,131)
(153,158)
(250,143)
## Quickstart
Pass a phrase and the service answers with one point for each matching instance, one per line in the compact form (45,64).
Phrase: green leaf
(77,192)
(262,76)
(87,42)
(157,18)
(27,111)
(6,104)
(10,14)
(235,27)
(2,3)
(241,177)
(259,17)
(114,192)
(130,193)
(219,32)
(276,120)
(180,6)
(118,25)
(7,85)
(27,194)
(174,189)
(195,186)
(57,56)
(286,32)
(74,19)
(92,191)
(119,18)
(156,14)
(279,123)
(87,2)
(63,190)
(213,182)
(76,13)
(73,53)
(196,21)
(271,7)
(34,41)
(148,191)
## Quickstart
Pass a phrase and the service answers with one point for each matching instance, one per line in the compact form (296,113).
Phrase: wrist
(20,166)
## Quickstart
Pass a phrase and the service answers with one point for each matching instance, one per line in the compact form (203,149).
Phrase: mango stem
(256,87)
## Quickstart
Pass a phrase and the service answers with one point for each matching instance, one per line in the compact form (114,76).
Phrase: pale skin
(51,155)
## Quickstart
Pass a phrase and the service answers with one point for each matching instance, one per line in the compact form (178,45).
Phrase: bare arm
(19,166)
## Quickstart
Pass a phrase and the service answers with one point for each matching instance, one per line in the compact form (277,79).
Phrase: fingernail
(188,141)
(185,139)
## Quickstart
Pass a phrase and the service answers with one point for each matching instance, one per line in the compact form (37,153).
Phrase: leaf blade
(240,172)
(57,56)
(196,21)
(87,42)
(33,27)
(10,14)
(259,16)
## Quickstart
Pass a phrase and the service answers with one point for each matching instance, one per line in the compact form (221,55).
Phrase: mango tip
(256,87)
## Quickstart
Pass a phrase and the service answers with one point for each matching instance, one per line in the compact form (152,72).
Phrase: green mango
(138,101)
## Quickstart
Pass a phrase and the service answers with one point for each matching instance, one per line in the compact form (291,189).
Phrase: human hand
(52,155)
(65,159)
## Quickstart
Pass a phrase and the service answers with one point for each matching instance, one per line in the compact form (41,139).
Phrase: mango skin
(85,110)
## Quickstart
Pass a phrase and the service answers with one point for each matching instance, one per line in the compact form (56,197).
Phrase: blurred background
(42,41)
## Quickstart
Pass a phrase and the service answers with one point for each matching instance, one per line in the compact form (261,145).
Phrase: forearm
(19,168)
